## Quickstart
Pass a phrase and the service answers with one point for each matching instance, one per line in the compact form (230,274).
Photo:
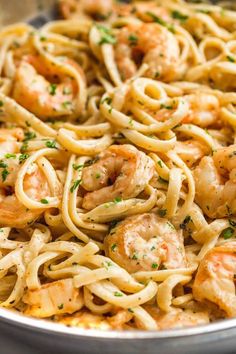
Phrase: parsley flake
(23,157)
(118,294)
(107,37)
(10,156)
(5,173)
(179,16)
(29,136)
(162,212)
(161,22)
(75,185)
(230,58)
(227,233)
(52,89)
(184,224)
(77,167)
(133,39)
(3,164)
(51,144)
(44,201)
(117,200)
(154,265)
(113,247)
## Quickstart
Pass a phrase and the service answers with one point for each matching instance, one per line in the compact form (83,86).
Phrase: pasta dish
(118,165)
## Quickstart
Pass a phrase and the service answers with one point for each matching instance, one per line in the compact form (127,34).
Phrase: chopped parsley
(75,185)
(1,103)
(166,106)
(44,201)
(77,167)
(117,200)
(118,294)
(113,247)
(131,122)
(154,265)
(10,156)
(133,39)
(162,212)
(97,175)
(161,22)
(66,104)
(91,162)
(60,307)
(4,174)
(23,157)
(24,147)
(184,224)
(3,164)
(160,163)
(51,144)
(179,16)
(107,37)
(134,257)
(130,310)
(29,136)
(108,100)
(227,233)
(230,58)
(107,264)
(52,89)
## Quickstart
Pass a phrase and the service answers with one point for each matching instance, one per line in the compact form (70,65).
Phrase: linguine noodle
(117,165)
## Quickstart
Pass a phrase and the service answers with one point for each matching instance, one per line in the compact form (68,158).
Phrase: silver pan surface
(23,335)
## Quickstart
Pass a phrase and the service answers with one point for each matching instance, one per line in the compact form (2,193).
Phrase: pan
(23,335)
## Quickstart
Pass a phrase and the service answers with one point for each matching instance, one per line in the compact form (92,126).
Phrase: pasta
(117,165)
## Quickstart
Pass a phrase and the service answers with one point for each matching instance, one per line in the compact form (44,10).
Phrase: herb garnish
(107,37)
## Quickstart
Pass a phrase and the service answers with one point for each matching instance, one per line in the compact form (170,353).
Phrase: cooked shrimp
(53,298)
(190,151)
(12,211)
(225,161)
(145,242)
(121,171)
(216,276)
(109,9)
(85,319)
(43,92)
(218,174)
(98,9)
(148,43)
(9,140)
(177,318)
(203,110)
(141,9)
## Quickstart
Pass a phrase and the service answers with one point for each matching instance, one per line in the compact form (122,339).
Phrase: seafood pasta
(118,165)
